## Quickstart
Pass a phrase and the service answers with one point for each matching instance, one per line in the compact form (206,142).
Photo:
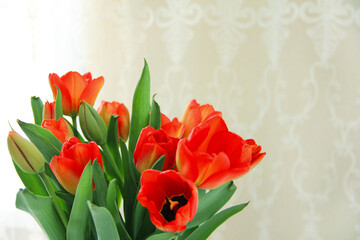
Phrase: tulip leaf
(204,230)
(158,165)
(162,236)
(31,181)
(155,116)
(142,216)
(104,223)
(80,215)
(112,207)
(130,188)
(113,143)
(100,184)
(67,198)
(211,202)
(43,139)
(58,104)
(37,108)
(42,210)
(140,108)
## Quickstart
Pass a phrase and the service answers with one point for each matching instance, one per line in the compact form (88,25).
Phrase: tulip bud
(49,110)
(91,123)
(25,154)
(107,109)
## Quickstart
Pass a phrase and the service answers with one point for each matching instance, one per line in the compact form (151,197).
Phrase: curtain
(283,72)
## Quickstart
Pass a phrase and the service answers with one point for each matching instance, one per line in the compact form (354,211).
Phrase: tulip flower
(107,109)
(49,110)
(74,156)
(61,128)
(212,155)
(151,145)
(196,114)
(91,123)
(173,128)
(25,154)
(170,198)
(74,88)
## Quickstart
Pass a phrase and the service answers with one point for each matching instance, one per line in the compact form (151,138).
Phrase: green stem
(54,198)
(73,117)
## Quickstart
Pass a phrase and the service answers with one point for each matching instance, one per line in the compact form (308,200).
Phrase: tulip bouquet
(169,180)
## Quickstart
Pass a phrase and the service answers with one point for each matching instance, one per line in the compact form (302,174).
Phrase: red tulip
(61,128)
(49,110)
(212,156)
(195,114)
(74,88)
(107,109)
(173,128)
(151,145)
(171,199)
(74,156)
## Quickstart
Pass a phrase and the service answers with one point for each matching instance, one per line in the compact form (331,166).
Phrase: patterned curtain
(284,72)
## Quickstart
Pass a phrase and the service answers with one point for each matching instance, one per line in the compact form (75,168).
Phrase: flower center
(171,207)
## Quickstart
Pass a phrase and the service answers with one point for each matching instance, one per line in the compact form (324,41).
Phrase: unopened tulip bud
(91,123)
(25,154)
(49,110)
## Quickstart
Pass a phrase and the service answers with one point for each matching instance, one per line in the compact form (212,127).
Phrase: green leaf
(104,223)
(80,214)
(162,236)
(31,181)
(43,139)
(204,230)
(158,165)
(146,226)
(100,184)
(37,108)
(211,202)
(67,198)
(112,207)
(113,143)
(43,211)
(58,104)
(155,116)
(131,187)
(140,107)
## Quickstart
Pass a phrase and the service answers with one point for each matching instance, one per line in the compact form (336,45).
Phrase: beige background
(285,73)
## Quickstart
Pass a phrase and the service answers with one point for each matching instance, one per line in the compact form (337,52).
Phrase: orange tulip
(173,128)
(107,109)
(74,156)
(49,110)
(195,114)
(170,198)
(212,155)
(61,128)
(153,144)
(74,88)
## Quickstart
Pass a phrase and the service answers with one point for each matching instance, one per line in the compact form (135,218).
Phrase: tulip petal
(54,80)
(67,172)
(91,91)
(76,84)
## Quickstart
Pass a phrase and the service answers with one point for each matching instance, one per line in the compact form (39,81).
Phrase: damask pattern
(284,72)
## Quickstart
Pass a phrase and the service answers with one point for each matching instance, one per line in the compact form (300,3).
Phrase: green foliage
(43,211)
(37,109)
(140,107)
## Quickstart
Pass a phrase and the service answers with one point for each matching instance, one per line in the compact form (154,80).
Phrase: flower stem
(73,117)
(55,201)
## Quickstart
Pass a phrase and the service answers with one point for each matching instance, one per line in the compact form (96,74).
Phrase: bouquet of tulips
(168,181)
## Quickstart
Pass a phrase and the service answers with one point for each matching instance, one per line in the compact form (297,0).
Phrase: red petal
(67,171)
(92,89)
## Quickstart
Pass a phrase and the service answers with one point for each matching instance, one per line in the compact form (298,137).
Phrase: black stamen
(168,213)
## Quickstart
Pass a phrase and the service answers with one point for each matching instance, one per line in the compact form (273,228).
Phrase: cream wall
(285,73)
